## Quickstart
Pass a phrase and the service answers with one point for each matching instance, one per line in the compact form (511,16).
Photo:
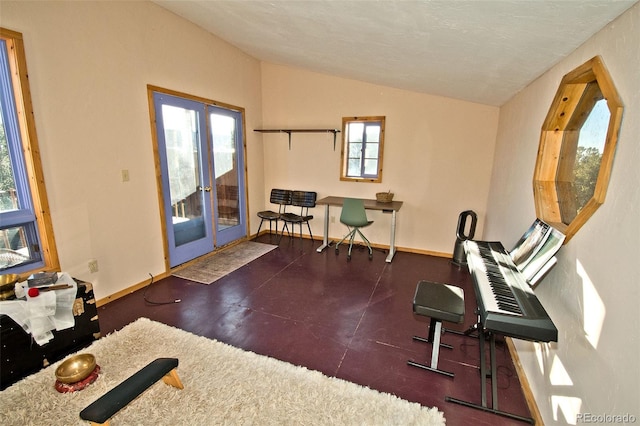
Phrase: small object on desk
(42,278)
(384,197)
(33,292)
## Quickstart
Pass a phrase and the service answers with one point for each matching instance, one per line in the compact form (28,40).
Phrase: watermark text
(606,418)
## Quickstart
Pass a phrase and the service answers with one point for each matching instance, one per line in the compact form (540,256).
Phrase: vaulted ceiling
(482,51)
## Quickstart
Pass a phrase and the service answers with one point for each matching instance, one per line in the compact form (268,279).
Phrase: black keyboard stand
(467,333)
(473,328)
(483,379)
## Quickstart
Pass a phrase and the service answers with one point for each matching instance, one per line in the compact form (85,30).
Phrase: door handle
(204,188)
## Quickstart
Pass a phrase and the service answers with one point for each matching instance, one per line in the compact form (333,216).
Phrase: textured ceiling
(482,51)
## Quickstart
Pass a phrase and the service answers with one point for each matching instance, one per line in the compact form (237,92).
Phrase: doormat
(208,270)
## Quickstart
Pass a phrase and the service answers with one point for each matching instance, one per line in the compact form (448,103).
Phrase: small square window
(362,148)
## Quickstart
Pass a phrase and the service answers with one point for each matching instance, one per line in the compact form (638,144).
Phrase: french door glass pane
(182,141)
(223,132)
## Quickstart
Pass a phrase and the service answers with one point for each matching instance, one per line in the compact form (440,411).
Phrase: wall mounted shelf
(289,131)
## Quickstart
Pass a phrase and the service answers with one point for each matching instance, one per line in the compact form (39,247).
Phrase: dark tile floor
(351,320)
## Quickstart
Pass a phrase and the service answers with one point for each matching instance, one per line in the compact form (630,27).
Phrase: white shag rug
(223,385)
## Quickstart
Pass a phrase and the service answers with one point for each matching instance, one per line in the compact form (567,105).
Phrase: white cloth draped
(40,315)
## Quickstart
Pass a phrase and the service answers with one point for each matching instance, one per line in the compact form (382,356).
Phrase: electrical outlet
(333,219)
(125,175)
(93,266)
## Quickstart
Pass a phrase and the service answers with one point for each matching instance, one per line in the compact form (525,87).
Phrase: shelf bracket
(289,131)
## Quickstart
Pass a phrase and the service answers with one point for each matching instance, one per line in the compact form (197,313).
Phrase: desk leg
(392,245)
(325,238)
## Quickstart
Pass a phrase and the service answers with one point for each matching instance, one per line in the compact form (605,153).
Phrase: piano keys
(506,303)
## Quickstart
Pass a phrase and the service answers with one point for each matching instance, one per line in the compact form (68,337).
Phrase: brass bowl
(7,295)
(8,281)
(76,368)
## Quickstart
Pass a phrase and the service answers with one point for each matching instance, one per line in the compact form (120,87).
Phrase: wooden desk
(391,207)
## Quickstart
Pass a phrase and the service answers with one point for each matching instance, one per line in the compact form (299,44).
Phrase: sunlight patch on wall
(559,375)
(542,356)
(594,309)
(539,356)
(569,406)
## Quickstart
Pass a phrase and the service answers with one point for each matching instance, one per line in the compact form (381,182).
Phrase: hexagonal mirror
(577,146)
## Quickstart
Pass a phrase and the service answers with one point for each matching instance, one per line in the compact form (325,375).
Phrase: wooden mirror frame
(556,132)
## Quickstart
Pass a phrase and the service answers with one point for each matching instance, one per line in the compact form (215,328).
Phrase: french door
(201,161)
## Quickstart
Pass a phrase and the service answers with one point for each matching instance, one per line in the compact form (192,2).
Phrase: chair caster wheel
(370,257)
(337,251)
(349,258)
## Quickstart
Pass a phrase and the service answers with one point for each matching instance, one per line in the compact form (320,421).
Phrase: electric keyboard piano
(507,306)
(506,303)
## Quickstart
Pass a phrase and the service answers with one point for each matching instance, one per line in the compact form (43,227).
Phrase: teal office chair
(355,217)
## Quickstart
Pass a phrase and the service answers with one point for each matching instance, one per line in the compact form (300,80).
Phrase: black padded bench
(440,302)
(102,409)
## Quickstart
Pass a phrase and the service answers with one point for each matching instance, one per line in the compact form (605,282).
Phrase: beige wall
(592,294)
(437,152)
(89,65)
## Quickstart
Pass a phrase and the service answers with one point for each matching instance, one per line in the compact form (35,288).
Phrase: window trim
(344,152)
(31,152)
(556,135)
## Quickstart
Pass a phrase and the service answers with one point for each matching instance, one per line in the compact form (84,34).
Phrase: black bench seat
(440,302)
(101,410)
